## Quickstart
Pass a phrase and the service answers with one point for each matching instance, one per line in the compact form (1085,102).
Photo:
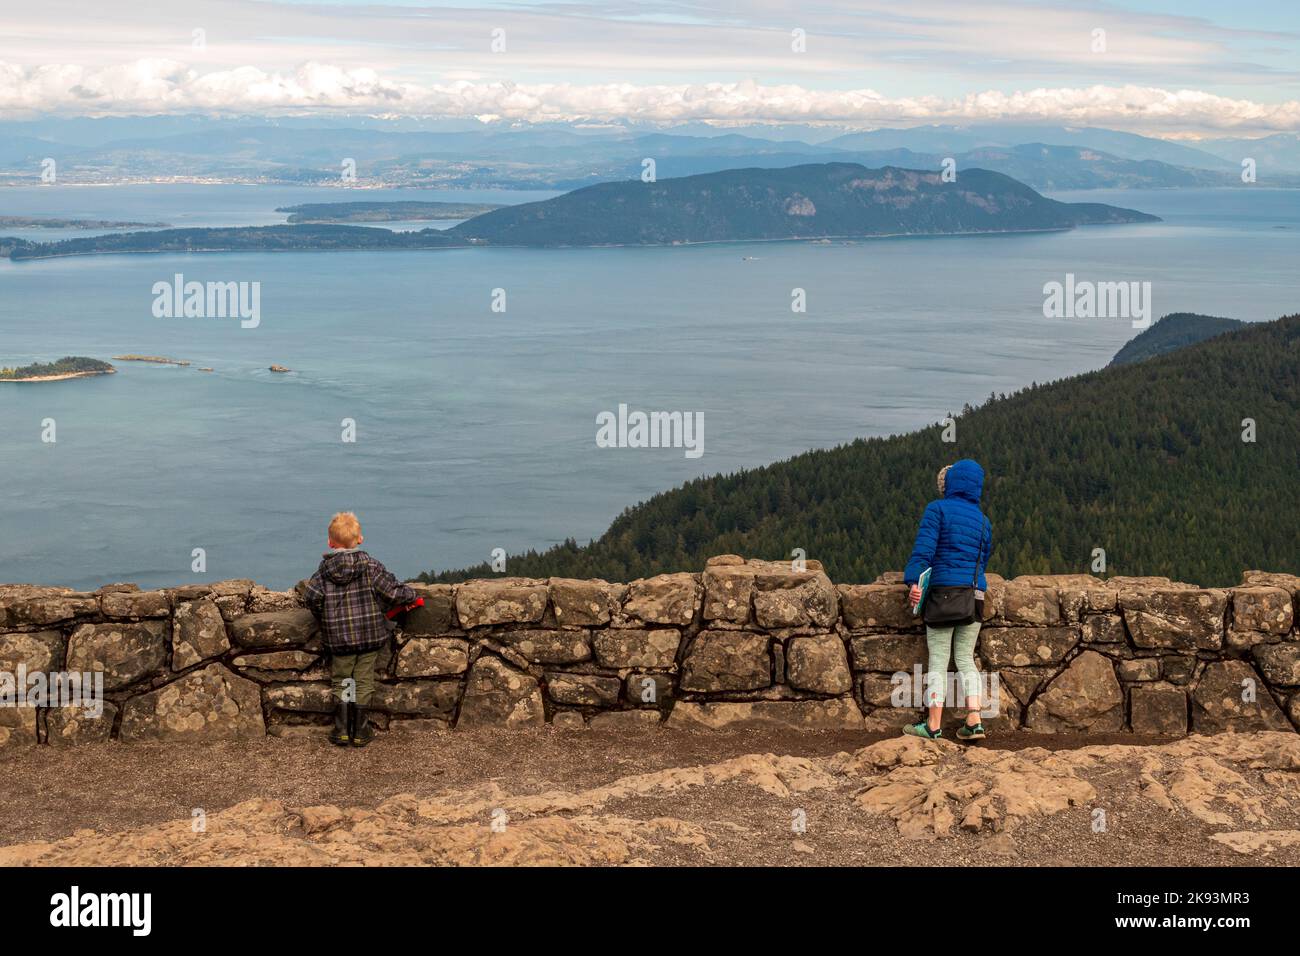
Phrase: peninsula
(336,212)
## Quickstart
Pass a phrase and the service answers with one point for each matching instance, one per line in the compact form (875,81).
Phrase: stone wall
(742,641)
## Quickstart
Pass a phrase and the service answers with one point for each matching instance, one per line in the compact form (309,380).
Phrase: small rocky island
(70,366)
(153,359)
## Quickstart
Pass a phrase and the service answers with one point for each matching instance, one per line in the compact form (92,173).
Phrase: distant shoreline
(512,186)
(36,222)
(612,245)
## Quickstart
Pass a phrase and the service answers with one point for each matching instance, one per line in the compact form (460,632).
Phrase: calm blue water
(186,206)
(475,429)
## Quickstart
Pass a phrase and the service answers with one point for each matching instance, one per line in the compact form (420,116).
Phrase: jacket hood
(342,566)
(965,479)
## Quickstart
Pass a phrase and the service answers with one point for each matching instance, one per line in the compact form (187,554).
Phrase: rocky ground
(658,796)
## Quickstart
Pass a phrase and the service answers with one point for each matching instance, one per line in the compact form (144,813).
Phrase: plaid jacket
(348,594)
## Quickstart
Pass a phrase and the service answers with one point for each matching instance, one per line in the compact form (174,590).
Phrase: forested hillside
(1146,461)
(1172,332)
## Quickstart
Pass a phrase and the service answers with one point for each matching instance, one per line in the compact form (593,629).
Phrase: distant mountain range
(819,201)
(960,139)
(1035,164)
(1144,460)
(558,156)
(1281,151)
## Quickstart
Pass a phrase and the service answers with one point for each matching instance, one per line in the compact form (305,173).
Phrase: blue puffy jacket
(954,537)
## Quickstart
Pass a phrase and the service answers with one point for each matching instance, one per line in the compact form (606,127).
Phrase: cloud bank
(172,86)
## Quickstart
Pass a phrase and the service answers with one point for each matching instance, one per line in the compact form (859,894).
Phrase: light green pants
(352,677)
(956,642)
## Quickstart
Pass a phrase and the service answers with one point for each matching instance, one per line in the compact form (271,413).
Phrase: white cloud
(902,48)
(165,85)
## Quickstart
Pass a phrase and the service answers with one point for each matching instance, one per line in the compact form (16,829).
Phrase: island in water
(812,202)
(153,359)
(816,201)
(70,366)
(407,211)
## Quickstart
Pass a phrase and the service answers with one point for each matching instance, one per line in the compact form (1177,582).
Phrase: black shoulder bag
(953,605)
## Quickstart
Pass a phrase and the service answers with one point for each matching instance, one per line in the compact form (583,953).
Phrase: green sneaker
(967,732)
(922,729)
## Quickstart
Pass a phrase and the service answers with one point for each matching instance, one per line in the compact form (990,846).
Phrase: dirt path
(767,796)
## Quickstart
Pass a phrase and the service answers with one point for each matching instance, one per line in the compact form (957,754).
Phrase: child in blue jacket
(954,541)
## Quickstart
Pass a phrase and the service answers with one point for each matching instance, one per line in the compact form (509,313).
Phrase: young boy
(348,594)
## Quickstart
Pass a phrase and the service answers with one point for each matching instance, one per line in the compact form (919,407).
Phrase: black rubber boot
(341,735)
(362,733)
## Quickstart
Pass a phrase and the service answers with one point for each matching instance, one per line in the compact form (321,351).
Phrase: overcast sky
(1171,67)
